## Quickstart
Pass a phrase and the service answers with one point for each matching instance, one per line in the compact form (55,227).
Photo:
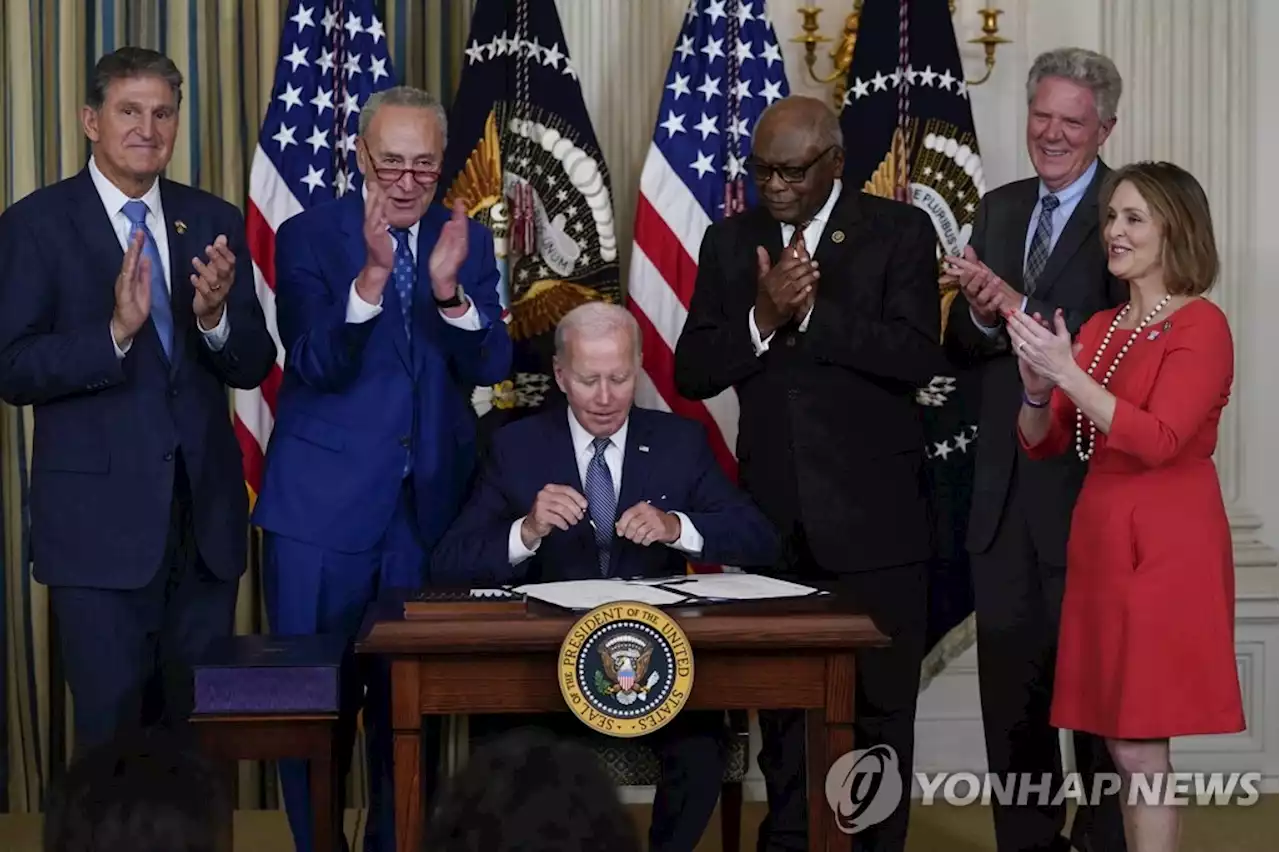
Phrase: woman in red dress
(1146,650)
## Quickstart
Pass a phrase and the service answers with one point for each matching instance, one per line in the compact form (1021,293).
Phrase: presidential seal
(626,669)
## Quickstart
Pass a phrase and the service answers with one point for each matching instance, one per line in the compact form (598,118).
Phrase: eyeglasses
(393,174)
(762,171)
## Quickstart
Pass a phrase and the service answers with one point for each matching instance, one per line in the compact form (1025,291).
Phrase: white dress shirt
(358,310)
(690,540)
(113,200)
(812,236)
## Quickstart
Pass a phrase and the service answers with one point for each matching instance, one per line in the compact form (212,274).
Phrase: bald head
(797,152)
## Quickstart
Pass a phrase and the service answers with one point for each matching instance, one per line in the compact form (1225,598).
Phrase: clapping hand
(212,282)
(987,293)
(449,253)
(1045,355)
(133,293)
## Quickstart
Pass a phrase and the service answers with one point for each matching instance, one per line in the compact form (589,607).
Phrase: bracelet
(1031,402)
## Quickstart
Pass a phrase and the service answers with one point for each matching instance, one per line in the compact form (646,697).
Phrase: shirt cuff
(358,310)
(690,540)
(760,346)
(516,551)
(988,330)
(120,353)
(470,321)
(217,337)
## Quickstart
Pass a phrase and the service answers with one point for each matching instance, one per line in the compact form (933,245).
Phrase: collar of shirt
(813,231)
(413,229)
(583,451)
(1073,192)
(113,199)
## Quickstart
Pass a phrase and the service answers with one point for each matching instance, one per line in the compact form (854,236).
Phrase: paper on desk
(589,594)
(739,587)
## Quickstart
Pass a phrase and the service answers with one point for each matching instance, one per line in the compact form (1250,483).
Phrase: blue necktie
(1038,255)
(405,273)
(602,503)
(161,313)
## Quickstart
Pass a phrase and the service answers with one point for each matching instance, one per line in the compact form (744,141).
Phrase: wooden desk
(795,654)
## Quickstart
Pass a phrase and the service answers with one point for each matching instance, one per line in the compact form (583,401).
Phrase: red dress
(1146,646)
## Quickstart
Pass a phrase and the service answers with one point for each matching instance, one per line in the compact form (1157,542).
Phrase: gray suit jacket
(1074,279)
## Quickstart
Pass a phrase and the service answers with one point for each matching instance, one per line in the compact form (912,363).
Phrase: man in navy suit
(389,316)
(127,308)
(605,489)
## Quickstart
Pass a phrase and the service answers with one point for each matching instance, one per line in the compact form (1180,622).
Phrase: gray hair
(129,62)
(595,320)
(1085,67)
(406,96)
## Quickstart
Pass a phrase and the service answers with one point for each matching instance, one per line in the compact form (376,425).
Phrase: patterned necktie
(161,312)
(404,273)
(602,503)
(1038,256)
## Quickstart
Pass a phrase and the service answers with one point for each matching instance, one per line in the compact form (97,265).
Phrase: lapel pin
(180,226)
(837,237)
(642,448)
(1153,335)
(1168,324)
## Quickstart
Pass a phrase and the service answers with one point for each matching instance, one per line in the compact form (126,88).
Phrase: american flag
(333,56)
(726,68)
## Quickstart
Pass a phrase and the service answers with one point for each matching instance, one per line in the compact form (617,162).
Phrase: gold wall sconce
(841,55)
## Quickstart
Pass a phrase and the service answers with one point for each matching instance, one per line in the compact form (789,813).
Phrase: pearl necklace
(1081,451)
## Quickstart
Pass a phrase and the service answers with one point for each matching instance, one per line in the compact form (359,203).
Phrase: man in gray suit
(1035,247)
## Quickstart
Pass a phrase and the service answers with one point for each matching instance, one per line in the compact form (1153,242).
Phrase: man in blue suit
(606,489)
(389,316)
(127,308)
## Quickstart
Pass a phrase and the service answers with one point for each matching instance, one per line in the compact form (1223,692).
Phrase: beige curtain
(227,51)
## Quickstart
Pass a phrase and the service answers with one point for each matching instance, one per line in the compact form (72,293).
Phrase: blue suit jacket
(355,398)
(667,461)
(106,430)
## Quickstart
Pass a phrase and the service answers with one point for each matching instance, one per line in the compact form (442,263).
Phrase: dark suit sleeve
(480,358)
(246,358)
(713,352)
(901,343)
(473,551)
(39,363)
(1116,292)
(964,342)
(734,531)
(321,347)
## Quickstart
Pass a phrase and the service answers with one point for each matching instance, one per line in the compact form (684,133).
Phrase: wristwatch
(456,301)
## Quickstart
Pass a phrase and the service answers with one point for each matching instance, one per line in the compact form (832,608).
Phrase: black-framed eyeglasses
(762,171)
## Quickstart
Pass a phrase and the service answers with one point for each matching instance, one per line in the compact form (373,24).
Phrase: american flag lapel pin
(643,448)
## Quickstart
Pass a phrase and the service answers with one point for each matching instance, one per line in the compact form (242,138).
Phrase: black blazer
(1074,279)
(830,435)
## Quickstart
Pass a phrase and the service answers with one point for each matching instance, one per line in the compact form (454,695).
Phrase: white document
(589,594)
(739,587)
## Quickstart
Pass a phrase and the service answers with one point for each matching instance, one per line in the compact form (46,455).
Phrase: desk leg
(326,816)
(830,735)
(406,722)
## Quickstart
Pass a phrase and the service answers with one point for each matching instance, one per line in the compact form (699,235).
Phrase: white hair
(595,320)
(406,96)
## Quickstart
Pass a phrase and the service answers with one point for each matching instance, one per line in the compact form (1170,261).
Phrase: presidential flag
(523,158)
(909,135)
(725,70)
(333,57)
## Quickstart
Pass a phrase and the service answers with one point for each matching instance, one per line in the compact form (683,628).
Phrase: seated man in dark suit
(605,489)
